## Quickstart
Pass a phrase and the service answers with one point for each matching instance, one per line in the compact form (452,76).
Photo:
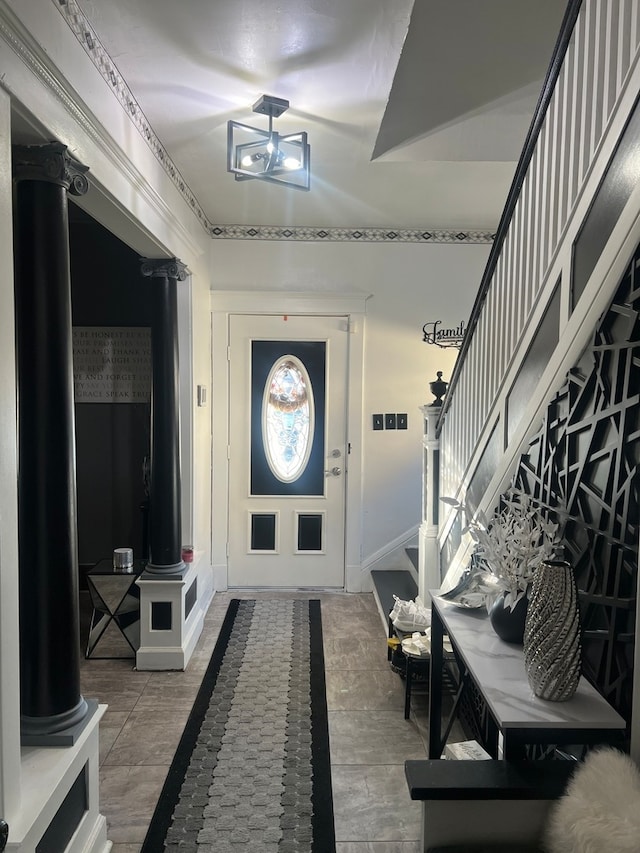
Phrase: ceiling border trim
(104,64)
(344,235)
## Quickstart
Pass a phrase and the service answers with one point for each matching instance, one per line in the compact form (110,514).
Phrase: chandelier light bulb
(291,163)
(250,159)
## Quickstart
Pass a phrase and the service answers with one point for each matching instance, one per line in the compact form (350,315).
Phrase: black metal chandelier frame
(267,155)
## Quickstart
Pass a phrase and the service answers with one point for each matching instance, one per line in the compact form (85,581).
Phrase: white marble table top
(498,669)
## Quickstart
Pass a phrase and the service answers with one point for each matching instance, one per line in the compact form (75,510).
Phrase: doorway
(288,450)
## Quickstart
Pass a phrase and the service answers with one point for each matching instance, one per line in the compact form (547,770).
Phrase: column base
(171,619)
(61,730)
(165,571)
(59,808)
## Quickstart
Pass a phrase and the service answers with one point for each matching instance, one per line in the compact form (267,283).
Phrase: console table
(115,620)
(497,670)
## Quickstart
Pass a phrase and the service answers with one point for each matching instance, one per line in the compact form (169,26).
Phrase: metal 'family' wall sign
(434,333)
(112,364)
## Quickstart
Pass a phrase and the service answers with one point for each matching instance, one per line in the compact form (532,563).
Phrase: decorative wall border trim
(29,52)
(95,50)
(344,235)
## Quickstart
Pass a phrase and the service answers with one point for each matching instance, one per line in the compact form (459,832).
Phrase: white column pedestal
(47,776)
(428,551)
(428,562)
(171,618)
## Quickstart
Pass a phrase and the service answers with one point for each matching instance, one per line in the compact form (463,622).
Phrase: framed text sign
(112,364)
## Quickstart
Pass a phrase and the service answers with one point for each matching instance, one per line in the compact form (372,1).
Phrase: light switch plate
(378,421)
(390,421)
(401,420)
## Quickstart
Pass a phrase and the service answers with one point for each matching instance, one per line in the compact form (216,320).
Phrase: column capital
(164,268)
(51,163)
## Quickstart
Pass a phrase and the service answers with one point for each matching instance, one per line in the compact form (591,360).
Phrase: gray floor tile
(373,737)
(339,624)
(170,690)
(110,727)
(128,796)
(367,690)
(148,737)
(372,803)
(120,691)
(363,653)
(347,604)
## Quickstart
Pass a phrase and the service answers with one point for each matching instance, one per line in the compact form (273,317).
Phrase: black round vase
(509,624)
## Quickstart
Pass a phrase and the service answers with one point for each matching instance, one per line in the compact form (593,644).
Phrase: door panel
(265,355)
(287,451)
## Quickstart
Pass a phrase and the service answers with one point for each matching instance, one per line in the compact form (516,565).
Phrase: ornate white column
(428,553)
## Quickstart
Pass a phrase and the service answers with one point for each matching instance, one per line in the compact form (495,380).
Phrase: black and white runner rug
(252,770)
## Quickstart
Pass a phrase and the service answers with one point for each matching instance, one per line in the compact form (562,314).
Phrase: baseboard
(98,841)
(357,579)
(220,577)
(153,659)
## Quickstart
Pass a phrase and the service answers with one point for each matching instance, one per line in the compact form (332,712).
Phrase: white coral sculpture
(512,544)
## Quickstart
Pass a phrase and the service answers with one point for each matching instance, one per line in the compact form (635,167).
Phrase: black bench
(485,806)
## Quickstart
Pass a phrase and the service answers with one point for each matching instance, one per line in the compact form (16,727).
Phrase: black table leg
(435,686)
(407,687)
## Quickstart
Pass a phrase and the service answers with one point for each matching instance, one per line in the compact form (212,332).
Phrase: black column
(165,526)
(47,525)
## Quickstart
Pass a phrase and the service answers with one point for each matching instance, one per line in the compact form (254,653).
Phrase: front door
(287,451)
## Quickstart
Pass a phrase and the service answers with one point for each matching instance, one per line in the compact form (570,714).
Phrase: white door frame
(223,304)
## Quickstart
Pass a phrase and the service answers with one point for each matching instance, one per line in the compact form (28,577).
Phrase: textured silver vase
(552,646)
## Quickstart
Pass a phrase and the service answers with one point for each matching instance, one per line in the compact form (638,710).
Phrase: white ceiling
(416,113)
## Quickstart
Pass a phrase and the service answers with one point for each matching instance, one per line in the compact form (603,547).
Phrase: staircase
(390,582)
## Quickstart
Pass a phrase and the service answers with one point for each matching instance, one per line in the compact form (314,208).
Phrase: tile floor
(369,737)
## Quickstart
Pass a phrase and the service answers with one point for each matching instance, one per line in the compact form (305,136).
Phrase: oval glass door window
(288,418)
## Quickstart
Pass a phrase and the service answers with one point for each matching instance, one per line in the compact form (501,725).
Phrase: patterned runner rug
(252,770)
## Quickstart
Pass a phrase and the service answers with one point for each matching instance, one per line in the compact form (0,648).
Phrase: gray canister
(123,559)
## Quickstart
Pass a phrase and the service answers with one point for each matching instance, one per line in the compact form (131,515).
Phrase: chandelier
(266,155)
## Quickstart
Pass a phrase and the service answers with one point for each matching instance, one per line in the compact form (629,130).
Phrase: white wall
(408,284)
(10,783)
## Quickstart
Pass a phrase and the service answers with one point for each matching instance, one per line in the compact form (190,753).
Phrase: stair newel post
(428,552)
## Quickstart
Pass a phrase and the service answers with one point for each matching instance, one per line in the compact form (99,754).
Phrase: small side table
(115,620)
(415,667)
